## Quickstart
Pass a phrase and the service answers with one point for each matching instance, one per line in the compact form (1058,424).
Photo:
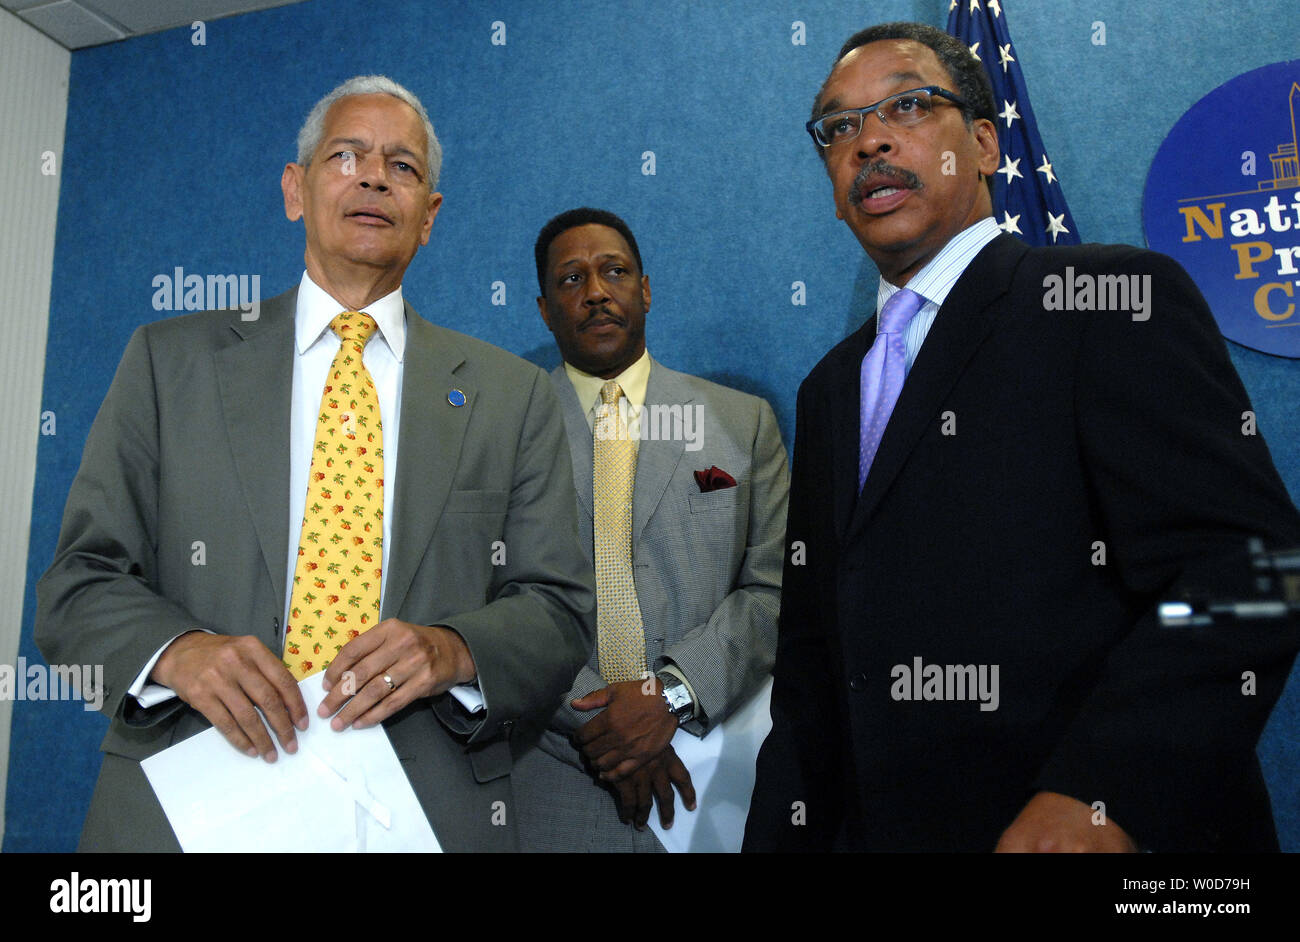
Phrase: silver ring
(388,680)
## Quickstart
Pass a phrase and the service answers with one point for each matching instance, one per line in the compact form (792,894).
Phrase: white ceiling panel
(76,24)
(151,16)
(71,25)
(16,5)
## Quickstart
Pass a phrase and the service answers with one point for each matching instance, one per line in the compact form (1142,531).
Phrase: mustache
(906,179)
(602,311)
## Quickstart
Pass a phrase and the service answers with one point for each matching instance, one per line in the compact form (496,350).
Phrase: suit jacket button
(858,682)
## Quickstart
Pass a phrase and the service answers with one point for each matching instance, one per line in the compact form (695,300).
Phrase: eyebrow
(896,78)
(402,150)
(350,141)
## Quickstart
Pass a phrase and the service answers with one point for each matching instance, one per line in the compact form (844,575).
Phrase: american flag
(1027,202)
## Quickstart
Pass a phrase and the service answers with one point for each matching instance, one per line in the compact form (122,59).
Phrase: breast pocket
(715,531)
(717,501)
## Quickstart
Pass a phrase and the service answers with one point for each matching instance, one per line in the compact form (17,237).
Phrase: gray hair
(313,129)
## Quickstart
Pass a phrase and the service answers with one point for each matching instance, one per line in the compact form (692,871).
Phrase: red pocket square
(714,479)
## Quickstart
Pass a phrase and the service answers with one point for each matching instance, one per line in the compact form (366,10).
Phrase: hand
(657,777)
(634,728)
(1055,823)
(421,661)
(227,680)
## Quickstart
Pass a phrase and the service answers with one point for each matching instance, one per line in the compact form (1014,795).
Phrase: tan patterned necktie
(620,637)
(340,551)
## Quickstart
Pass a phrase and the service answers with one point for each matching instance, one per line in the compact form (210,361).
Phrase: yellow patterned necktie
(620,637)
(340,552)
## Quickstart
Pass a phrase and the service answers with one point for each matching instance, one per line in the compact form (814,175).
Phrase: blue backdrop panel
(174,153)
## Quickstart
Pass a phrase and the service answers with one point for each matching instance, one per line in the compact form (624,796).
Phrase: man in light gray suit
(703,550)
(177,558)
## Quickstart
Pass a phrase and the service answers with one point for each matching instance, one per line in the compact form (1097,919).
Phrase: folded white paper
(341,792)
(722,771)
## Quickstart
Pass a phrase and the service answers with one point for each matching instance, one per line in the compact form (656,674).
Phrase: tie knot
(610,392)
(357,326)
(899,310)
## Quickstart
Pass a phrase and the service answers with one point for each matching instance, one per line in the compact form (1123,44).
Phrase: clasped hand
(628,744)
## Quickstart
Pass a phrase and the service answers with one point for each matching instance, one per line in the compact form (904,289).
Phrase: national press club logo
(1223,198)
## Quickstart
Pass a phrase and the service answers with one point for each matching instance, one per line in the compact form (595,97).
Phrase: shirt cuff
(147,694)
(471,698)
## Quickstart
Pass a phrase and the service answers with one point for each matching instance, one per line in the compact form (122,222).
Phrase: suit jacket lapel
(843,414)
(255,380)
(581,445)
(963,323)
(432,433)
(657,460)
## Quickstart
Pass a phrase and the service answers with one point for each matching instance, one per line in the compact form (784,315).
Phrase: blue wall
(174,153)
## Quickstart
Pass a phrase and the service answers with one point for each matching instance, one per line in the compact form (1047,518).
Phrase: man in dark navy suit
(989,499)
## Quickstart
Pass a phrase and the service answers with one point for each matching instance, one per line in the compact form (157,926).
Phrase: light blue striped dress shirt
(936,278)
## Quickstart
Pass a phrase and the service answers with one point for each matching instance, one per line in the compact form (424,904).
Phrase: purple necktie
(883,369)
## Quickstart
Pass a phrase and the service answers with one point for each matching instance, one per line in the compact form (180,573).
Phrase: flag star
(974,5)
(1005,56)
(995,7)
(1056,225)
(974,51)
(1046,170)
(1010,223)
(1009,112)
(1011,169)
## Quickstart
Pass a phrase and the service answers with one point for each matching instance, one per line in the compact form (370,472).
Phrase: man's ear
(291,187)
(542,309)
(645,291)
(985,133)
(431,212)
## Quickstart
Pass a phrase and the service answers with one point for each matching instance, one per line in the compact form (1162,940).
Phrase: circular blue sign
(1223,198)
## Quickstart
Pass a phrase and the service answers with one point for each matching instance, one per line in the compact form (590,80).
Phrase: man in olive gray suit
(701,547)
(176,562)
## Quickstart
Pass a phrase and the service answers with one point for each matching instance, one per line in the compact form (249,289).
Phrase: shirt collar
(316,308)
(632,380)
(935,279)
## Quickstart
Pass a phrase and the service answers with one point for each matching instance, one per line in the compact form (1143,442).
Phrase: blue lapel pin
(456,398)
